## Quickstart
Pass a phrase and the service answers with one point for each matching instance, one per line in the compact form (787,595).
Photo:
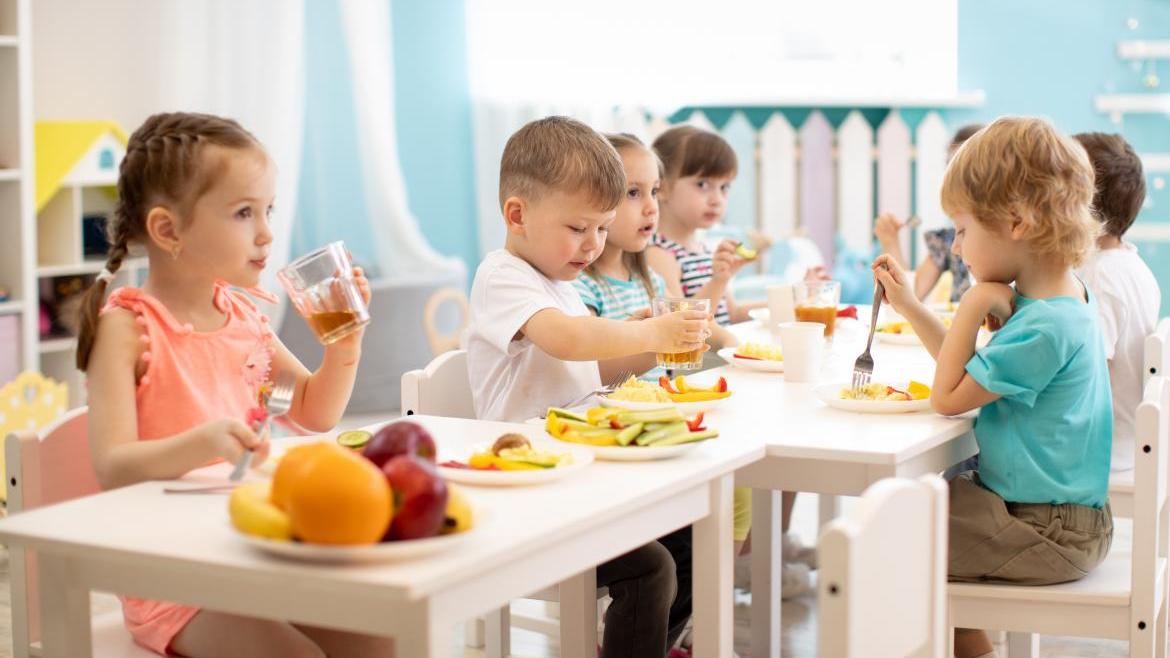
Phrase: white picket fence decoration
(809,180)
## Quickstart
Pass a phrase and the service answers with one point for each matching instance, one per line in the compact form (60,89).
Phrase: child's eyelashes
(726,187)
(244,213)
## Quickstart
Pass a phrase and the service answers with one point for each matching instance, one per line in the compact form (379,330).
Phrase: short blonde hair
(561,154)
(1022,167)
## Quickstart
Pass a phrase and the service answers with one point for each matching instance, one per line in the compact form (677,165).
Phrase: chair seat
(110,639)
(1121,494)
(1107,585)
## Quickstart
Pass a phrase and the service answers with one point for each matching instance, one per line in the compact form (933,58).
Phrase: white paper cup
(781,305)
(803,344)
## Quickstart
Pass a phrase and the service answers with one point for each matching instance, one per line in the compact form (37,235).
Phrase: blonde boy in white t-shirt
(532,343)
(1127,293)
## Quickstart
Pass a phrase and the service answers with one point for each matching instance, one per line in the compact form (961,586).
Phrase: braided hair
(162,166)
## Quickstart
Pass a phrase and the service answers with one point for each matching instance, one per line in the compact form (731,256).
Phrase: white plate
(582,457)
(390,551)
(759,315)
(898,339)
(830,394)
(636,453)
(685,408)
(760,365)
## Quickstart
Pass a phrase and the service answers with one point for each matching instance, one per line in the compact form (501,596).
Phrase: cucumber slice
(630,433)
(567,415)
(649,438)
(354,439)
(668,415)
(686,437)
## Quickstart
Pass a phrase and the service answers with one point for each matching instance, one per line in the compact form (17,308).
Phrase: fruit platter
(619,434)
(328,502)
(514,460)
(761,357)
(876,397)
(686,396)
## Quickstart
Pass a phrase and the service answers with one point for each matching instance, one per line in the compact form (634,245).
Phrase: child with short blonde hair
(1035,512)
(1127,292)
(533,344)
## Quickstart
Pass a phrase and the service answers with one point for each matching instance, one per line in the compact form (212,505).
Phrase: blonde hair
(1021,167)
(635,262)
(163,165)
(689,151)
(559,153)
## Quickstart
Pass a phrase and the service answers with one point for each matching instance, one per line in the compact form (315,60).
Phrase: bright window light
(663,53)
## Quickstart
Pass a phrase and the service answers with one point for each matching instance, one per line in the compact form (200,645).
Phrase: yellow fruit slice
(252,514)
(458,516)
(918,390)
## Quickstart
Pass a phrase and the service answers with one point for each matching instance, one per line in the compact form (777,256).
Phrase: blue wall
(434,132)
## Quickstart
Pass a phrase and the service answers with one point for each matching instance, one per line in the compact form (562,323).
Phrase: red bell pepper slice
(747,358)
(722,385)
(613,424)
(665,383)
(848,312)
(696,424)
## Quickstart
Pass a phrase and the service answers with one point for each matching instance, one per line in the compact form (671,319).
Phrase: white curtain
(403,252)
(128,59)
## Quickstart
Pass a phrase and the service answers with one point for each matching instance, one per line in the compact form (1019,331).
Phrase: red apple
(401,438)
(420,498)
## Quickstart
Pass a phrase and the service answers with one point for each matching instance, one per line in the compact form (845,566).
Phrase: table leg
(497,632)
(714,607)
(1023,645)
(578,598)
(65,615)
(828,508)
(765,573)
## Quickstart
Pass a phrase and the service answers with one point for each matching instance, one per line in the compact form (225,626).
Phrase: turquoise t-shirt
(1049,437)
(615,299)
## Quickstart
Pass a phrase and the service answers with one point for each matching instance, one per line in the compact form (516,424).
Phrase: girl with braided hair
(175,366)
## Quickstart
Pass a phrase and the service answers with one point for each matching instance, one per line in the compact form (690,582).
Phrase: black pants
(651,591)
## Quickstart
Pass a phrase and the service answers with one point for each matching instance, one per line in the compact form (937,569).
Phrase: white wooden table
(811,447)
(138,541)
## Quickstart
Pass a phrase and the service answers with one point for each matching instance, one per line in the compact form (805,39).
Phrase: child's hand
(681,331)
(349,348)
(817,273)
(898,292)
(229,439)
(995,303)
(886,228)
(362,283)
(724,262)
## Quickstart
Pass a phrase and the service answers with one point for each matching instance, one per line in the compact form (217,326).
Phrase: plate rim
(556,474)
(820,391)
(730,359)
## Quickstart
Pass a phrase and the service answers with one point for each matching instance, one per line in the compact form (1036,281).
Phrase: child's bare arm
(661,261)
(118,457)
(955,391)
(930,330)
(587,338)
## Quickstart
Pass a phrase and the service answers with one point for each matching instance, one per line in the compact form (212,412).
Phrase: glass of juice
(681,360)
(321,287)
(816,301)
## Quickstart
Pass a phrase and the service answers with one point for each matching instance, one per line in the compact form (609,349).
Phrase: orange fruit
(339,497)
(918,390)
(288,469)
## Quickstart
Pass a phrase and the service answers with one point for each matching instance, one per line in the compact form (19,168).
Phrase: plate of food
(876,397)
(754,356)
(900,332)
(689,398)
(617,434)
(514,460)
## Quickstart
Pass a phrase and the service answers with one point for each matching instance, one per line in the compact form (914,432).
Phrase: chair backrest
(1150,495)
(440,389)
(882,581)
(441,343)
(1156,354)
(50,467)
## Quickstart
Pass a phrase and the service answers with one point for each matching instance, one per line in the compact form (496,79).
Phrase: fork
(604,390)
(863,366)
(278,404)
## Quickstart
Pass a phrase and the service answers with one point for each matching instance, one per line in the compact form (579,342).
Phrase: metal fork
(278,404)
(604,390)
(863,366)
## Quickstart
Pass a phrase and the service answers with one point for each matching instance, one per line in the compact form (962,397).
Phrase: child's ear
(162,227)
(1021,224)
(514,209)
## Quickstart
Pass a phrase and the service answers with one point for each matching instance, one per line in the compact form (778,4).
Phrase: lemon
(918,390)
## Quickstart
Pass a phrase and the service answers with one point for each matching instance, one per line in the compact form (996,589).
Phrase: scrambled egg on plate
(636,390)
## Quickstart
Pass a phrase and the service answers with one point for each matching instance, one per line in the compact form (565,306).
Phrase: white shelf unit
(1152,49)
(17,218)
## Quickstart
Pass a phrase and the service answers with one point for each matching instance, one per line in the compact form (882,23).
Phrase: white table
(811,447)
(138,541)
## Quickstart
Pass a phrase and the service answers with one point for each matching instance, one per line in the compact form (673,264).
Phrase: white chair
(882,581)
(43,469)
(1124,598)
(1156,357)
(444,389)
(441,343)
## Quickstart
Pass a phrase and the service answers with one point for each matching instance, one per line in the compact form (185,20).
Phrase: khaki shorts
(1022,543)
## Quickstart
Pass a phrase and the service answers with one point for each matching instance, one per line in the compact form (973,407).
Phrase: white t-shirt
(1128,301)
(511,378)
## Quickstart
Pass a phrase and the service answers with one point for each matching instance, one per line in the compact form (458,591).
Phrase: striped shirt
(696,272)
(615,299)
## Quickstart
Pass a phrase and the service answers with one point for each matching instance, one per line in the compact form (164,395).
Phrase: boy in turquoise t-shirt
(1035,511)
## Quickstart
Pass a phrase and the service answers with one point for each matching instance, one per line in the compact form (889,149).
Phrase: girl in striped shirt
(699,167)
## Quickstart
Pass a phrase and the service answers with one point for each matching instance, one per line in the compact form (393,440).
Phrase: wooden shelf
(88,267)
(52,345)
(1133,103)
(10,307)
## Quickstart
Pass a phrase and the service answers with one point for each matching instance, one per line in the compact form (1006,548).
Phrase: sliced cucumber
(687,437)
(565,414)
(649,438)
(630,433)
(354,439)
